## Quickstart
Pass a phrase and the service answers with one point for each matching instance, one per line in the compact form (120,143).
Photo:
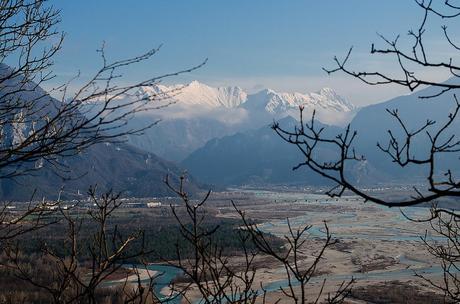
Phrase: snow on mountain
(278,103)
(202,112)
(270,101)
(197,93)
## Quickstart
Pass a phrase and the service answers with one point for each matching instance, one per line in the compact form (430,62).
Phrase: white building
(153,204)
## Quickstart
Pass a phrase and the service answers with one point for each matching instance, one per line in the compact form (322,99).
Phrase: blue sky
(260,43)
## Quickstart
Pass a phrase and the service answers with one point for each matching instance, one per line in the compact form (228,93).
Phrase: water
(164,275)
(340,225)
(374,275)
(343,221)
(170,272)
(349,223)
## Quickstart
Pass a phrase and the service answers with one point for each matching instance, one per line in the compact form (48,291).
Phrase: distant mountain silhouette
(119,167)
(253,157)
(373,122)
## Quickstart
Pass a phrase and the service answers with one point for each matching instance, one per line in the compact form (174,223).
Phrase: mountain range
(260,156)
(200,94)
(222,136)
(201,113)
(373,123)
(118,167)
(256,157)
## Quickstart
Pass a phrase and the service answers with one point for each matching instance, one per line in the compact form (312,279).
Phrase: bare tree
(65,274)
(308,136)
(220,279)
(412,61)
(72,278)
(36,128)
(445,224)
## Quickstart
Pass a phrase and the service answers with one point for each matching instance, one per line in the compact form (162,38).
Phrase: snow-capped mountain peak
(197,98)
(330,97)
(268,100)
(277,103)
(197,93)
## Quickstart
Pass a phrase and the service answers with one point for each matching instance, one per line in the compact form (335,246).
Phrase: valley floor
(375,245)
